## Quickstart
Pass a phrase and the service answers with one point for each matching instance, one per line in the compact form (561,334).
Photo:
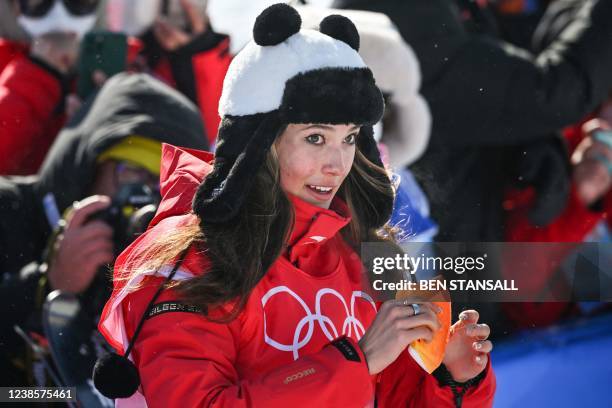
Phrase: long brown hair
(239,252)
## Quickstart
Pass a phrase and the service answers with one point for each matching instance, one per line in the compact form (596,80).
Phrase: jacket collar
(315,225)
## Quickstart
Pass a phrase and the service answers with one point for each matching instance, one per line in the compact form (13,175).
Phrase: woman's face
(315,159)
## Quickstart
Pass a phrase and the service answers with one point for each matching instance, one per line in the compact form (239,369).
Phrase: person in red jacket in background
(589,206)
(258,252)
(174,40)
(36,81)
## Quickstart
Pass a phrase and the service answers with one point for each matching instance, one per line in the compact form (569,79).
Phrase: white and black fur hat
(288,75)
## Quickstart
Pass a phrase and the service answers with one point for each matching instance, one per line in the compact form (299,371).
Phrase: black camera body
(129,214)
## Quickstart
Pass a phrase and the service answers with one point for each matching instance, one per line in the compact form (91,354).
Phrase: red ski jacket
(9,50)
(295,342)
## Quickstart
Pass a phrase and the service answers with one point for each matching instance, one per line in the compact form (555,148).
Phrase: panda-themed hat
(288,75)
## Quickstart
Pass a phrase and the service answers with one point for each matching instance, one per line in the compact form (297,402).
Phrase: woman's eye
(314,139)
(350,139)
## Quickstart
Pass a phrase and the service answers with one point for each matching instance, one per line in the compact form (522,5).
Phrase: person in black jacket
(114,139)
(496,108)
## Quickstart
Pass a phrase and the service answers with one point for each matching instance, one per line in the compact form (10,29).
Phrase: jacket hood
(182,171)
(128,104)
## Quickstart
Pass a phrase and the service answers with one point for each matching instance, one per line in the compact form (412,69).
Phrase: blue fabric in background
(568,365)
(411,209)
(411,216)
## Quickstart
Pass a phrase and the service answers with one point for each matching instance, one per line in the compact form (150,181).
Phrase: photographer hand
(591,176)
(468,348)
(172,38)
(393,329)
(82,248)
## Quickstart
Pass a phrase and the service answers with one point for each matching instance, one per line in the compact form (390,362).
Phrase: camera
(129,214)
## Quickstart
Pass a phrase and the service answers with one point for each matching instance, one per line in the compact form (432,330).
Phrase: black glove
(545,166)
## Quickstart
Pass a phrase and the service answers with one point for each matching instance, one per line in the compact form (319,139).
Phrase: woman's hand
(393,329)
(468,348)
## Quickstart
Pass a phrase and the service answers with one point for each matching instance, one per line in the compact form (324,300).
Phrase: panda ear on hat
(280,21)
(341,28)
(275,24)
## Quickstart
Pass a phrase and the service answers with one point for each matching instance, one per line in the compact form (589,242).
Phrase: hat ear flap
(367,145)
(341,28)
(221,194)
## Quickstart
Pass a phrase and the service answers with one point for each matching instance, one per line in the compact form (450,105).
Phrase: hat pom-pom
(275,24)
(115,376)
(341,28)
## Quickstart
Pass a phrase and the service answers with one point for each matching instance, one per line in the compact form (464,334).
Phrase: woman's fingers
(480,331)
(408,308)
(421,332)
(394,328)
(481,359)
(427,318)
(483,346)
(469,316)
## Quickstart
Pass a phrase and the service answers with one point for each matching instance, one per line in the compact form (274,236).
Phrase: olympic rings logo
(350,325)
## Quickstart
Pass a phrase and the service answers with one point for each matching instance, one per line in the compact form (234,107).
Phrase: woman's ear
(341,28)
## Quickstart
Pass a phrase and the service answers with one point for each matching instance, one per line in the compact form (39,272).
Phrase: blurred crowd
(498,128)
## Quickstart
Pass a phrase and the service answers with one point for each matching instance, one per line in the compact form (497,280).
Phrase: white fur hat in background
(236,17)
(397,73)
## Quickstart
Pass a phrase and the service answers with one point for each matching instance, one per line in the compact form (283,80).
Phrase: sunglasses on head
(39,8)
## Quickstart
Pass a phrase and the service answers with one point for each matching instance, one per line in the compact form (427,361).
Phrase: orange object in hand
(429,355)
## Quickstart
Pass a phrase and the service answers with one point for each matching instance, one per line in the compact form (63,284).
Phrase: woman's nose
(334,161)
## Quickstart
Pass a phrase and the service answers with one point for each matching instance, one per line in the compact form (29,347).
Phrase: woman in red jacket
(266,301)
